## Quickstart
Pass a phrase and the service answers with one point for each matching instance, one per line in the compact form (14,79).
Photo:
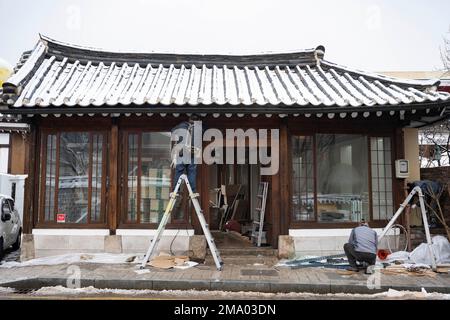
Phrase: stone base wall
(323,242)
(42,245)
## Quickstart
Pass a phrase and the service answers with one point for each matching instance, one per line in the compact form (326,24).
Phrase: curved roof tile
(57,74)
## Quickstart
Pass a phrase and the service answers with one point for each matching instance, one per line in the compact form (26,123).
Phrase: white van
(10,225)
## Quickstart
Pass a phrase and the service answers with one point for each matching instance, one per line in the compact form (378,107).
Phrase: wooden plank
(113,190)
(30,201)
(56,188)
(399,185)
(274,213)
(205,187)
(285,183)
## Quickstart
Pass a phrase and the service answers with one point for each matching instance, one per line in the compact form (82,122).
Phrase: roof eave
(15,82)
(440,107)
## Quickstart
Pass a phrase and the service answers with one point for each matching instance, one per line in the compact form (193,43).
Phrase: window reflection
(303,178)
(342,174)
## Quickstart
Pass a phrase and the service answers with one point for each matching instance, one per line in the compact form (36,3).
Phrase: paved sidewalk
(233,277)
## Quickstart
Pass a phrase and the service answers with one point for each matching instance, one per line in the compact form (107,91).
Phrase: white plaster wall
(136,240)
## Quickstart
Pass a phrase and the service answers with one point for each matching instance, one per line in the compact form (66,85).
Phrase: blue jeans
(191,172)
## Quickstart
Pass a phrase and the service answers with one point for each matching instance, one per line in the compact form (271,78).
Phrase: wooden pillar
(31,168)
(204,187)
(202,190)
(285,180)
(399,184)
(113,189)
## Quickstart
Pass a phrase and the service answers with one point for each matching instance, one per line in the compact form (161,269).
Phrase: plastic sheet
(421,254)
(441,249)
(398,256)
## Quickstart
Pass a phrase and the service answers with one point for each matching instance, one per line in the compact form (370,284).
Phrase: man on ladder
(187,150)
(185,156)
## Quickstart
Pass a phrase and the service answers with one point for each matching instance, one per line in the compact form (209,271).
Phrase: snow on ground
(91,291)
(75,258)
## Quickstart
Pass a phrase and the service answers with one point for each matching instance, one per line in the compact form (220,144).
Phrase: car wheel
(1,249)
(16,245)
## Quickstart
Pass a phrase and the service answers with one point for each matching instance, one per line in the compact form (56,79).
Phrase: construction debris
(409,270)
(166,262)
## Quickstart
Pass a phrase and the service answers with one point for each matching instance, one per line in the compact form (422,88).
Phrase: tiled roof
(57,74)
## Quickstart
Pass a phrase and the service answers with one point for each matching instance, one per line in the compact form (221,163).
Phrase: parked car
(10,225)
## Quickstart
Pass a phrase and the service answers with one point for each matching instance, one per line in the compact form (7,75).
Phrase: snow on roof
(61,75)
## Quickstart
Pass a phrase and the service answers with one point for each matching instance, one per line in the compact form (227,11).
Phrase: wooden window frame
(314,174)
(315,224)
(41,222)
(124,223)
(382,221)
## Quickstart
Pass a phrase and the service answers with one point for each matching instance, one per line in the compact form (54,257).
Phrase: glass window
(380,150)
(5,207)
(155,175)
(50,175)
(11,204)
(132,176)
(302,178)
(149,176)
(339,166)
(73,177)
(342,178)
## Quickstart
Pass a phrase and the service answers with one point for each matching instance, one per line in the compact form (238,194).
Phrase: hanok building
(98,151)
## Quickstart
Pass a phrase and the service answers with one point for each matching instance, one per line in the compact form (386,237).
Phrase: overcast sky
(383,35)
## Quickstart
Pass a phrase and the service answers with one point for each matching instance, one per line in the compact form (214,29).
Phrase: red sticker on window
(61,217)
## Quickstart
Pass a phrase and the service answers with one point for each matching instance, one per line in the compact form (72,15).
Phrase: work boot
(363,265)
(370,269)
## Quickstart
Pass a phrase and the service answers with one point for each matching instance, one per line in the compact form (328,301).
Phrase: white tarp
(441,249)
(421,254)
(71,258)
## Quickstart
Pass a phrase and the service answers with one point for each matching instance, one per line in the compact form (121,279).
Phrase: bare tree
(435,140)
(445,51)
(434,205)
(435,145)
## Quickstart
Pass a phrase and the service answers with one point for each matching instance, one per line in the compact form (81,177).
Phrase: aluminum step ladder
(258,223)
(413,192)
(165,219)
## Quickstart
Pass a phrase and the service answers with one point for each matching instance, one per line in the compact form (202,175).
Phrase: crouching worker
(361,247)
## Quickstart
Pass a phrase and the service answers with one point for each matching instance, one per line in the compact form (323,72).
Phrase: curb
(215,285)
